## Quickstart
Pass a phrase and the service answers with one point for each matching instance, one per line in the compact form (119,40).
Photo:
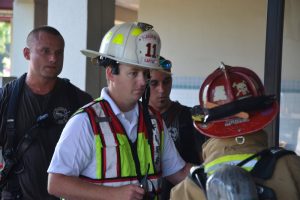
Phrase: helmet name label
(149,36)
(235,121)
(149,60)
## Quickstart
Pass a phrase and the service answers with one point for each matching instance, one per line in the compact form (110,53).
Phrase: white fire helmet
(132,43)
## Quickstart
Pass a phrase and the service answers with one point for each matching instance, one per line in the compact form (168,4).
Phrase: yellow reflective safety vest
(115,153)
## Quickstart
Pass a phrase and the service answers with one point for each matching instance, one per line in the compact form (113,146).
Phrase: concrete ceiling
(130,4)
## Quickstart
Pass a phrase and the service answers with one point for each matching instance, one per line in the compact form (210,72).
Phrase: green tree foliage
(5,39)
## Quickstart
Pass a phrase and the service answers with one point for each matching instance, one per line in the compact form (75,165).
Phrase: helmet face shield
(228,85)
(231,182)
(130,43)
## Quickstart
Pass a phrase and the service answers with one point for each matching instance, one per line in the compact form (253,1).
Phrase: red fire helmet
(229,84)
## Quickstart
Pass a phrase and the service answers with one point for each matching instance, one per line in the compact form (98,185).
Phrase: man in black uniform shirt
(177,118)
(40,94)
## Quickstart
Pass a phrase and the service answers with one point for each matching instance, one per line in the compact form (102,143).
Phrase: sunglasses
(144,26)
(165,64)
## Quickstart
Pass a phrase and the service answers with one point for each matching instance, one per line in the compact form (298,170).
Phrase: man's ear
(26,53)
(109,74)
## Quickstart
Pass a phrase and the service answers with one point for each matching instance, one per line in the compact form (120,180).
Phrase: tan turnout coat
(285,180)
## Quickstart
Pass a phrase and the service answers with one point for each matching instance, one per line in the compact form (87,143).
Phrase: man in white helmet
(115,147)
(233,112)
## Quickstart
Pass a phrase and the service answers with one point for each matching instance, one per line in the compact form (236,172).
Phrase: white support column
(23,22)
(82,23)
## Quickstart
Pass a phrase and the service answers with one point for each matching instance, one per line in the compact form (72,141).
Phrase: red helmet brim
(233,126)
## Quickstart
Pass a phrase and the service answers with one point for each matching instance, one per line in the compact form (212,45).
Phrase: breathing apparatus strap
(265,166)
(11,116)
(198,176)
(10,131)
(22,147)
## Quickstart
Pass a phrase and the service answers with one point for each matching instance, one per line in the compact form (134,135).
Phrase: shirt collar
(104,95)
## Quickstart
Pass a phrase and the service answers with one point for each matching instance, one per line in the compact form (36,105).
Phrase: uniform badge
(60,115)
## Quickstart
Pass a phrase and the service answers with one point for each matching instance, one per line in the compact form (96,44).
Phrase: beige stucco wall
(198,34)
(125,15)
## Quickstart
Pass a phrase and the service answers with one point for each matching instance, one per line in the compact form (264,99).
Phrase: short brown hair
(48,29)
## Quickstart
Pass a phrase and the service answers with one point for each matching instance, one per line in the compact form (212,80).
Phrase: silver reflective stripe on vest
(156,142)
(109,140)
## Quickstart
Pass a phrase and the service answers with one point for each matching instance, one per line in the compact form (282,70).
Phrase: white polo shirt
(74,154)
